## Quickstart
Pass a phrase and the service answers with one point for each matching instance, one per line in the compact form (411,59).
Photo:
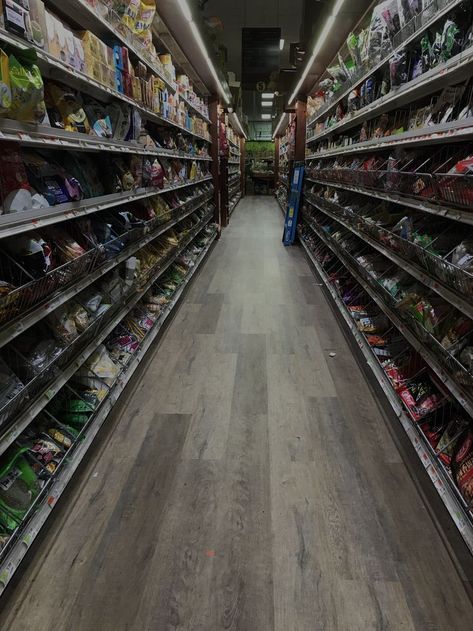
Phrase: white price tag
(7,572)
(29,537)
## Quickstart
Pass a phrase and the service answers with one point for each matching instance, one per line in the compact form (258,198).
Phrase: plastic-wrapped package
(101,366)
(398,69)
(435,50)
(462,256)
(408,9)
(68,321)
(429,7)
(446,445)
(417,66)
(451,40)
(425,52)
(354,100)
(65,109)
(32,252)
(99,119)
(353,46)
(27,89)
(455,330)
(44,454)
(390,14)
(120,118)
(10,385)
(157,174)
(19,487)
(462,465)
(41,356)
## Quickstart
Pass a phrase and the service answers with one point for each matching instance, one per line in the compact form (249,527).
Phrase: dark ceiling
(247,34)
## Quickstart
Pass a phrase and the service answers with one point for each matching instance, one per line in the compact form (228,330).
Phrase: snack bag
(462,466)
(65,110)
(99,119)
(5,86)
(27,88)
(18,487)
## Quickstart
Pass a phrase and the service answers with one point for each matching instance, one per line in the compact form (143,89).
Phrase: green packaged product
(27,88)
(18,487)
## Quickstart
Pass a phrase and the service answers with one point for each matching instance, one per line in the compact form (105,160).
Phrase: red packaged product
(462,466)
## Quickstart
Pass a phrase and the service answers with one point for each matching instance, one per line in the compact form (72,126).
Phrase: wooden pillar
(224,200)
(214,154)
(277,144)
(299,149)
(242,167)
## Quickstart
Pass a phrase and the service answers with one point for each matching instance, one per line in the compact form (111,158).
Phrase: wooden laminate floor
(249,483)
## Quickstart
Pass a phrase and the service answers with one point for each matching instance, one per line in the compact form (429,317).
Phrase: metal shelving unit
(34,299)
(15,553)
(59,70)
(442,200)
(410,32)
(15,327)
(454,70)
(451,296)
(455,131)
(441,481)
(16,223)
(31,410)
(53,138)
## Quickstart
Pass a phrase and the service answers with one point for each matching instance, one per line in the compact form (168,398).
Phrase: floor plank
(249,483)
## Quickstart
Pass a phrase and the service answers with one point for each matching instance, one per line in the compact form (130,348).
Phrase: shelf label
(7,572)
(29,537)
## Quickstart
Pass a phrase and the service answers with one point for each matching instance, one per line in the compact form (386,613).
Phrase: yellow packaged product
(91,45)
(5,87)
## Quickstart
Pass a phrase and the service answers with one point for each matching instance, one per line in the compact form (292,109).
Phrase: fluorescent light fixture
(267,95)
(240,126)
(184,6)
(281,43)
(266,104)
(185,9)
(318,47)
(266,117)
(279,125)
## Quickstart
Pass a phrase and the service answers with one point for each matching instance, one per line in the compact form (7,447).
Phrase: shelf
(283,210)
(54,138)
(464,398)
(423,276)
(448,6)
(102,26)
(34,407)
(58,70)
(195,109)
(232,191)
(436,472)
(454,70)
(16,223)
(233,161)
(234,205)
(70,464)
(463,216)
(455,131)
(13,328)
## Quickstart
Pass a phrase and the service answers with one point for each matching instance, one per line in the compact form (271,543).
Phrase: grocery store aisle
(249,482)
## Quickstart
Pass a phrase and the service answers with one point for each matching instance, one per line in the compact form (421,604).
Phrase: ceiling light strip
(200,42)
(279,125)
(318,47)
(240,126)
